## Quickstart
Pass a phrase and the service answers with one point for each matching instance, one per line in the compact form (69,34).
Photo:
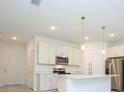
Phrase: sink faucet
(90,69)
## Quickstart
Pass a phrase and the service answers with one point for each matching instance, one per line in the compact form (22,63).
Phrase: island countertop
(84,83)
(85,76)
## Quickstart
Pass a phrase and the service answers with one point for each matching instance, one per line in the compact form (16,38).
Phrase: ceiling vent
(36,2)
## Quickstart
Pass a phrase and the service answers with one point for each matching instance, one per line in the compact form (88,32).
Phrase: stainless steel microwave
(61,60)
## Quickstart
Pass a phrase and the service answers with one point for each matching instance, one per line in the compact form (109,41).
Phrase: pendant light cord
(83,28)
(103,36)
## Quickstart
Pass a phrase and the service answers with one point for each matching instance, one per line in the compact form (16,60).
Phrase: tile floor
(15,88)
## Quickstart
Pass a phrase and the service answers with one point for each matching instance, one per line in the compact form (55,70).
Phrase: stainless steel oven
(62,60)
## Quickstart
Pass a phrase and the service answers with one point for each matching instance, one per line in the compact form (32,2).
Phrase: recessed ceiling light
(14,38)
(86,38)
(112,35)
(53,28)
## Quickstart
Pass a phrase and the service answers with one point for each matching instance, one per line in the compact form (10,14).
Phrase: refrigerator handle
(110,67)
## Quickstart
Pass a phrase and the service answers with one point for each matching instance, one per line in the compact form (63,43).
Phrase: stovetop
(60,71)
(63,73)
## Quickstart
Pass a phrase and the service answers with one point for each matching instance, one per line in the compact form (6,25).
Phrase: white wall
(30,64)
(93,54)
(13,49)
(49,68)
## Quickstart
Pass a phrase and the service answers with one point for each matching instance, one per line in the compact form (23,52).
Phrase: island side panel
(102,84)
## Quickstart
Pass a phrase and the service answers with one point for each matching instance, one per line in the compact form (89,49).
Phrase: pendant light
(82,45)
(103,40)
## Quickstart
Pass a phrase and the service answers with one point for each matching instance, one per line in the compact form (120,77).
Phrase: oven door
(61,60)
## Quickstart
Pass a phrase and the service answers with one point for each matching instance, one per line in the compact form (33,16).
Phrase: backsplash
(49,68)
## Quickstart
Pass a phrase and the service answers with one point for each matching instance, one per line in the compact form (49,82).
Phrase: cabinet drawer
(45,76)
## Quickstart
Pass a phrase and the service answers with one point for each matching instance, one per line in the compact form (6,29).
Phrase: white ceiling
(22,18)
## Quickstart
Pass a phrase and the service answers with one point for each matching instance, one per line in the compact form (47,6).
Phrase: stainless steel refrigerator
(115,66)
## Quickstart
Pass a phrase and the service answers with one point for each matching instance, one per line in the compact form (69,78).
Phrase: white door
(11,69)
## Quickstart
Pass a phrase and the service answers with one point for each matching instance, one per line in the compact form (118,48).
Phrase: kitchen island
(84,83)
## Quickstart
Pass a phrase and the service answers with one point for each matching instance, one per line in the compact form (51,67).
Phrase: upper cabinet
(43,53)
(62,51)
(47,53)
(52,53)
(71,60)
(116,51)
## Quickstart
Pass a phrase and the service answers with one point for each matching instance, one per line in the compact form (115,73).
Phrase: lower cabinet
(47,82)
(54,82)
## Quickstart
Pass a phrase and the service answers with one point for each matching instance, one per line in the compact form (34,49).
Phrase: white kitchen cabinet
(47,82)
(54,82)
(46,53)
(71,59)
(59,51)
(52,54)
(43,53)
(62,51)
(66,51)
(116,51)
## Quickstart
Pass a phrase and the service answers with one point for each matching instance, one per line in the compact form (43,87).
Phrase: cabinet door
(65,51)
(62,51)
(43,53)
(45,83)
(54,82)
(59,50)
(52,54)
(71,59)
